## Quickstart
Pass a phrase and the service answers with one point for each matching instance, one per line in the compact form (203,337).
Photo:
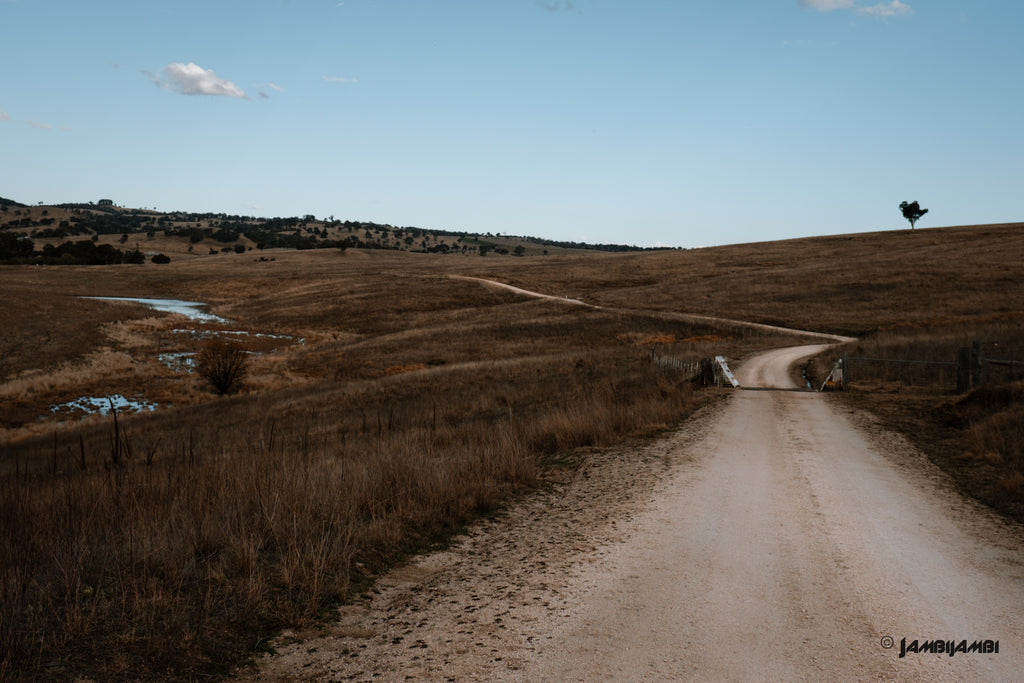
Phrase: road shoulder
(481,609)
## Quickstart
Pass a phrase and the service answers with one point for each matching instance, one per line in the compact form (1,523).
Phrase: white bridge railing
(722,372)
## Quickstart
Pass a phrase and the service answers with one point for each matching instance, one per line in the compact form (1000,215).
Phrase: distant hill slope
(210,233)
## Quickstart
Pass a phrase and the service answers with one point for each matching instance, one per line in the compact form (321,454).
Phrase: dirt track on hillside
(779,537)
(663,315)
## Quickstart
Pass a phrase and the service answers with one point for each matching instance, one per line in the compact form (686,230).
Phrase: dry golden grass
(975,437)
(415,402)
(203,530)
(844,284)
(169,545)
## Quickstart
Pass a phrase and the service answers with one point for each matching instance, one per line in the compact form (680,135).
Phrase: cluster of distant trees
(106,220)
(14,249)
(593,247)
(265,233)
(81,223)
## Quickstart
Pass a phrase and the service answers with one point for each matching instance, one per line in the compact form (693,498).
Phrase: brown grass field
(393,404)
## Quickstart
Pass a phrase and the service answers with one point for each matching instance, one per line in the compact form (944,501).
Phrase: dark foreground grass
(171,546)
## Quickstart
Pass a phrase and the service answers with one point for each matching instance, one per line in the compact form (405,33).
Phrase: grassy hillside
(387,404)
(183,235)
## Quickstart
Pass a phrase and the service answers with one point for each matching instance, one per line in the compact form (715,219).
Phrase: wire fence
(688,367)
(970,366)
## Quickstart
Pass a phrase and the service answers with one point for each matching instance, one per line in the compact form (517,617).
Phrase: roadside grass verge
(977,437)
(170,545)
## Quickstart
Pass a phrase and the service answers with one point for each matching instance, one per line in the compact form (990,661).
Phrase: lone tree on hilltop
(912,212)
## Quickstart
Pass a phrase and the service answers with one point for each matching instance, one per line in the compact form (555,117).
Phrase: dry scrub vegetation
(392,405)
(977,437)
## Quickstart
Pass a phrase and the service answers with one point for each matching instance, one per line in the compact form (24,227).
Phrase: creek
(189,309)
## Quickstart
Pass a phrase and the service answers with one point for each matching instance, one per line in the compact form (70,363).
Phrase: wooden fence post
(977,364)
(707,372)
(963,370)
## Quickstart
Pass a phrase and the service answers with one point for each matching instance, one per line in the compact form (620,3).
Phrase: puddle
(211,334)
(189,309)
(206,334)
(181,361)
(262,335)
(92,405)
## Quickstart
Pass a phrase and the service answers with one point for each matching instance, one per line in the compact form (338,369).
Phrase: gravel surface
(777,536)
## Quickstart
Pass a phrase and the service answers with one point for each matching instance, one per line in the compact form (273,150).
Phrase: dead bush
(222,364)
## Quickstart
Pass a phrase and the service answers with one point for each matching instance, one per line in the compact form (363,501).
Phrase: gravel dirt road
(775,536)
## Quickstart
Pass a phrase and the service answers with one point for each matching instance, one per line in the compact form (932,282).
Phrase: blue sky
(679,123)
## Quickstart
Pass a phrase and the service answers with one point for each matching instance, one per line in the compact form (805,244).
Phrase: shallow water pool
(91,405)
(189,309)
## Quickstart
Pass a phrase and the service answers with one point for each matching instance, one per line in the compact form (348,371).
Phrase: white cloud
(339,79)
(892,9)
(5,117)
(827,5)
(192,79)
(40,126)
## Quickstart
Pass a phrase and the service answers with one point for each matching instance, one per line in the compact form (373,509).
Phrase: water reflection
(92,405)
(189,309)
